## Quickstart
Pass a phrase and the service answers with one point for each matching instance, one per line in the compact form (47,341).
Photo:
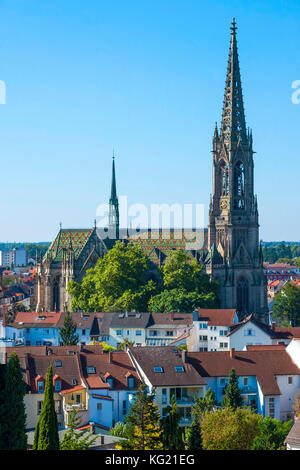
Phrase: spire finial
(233,26)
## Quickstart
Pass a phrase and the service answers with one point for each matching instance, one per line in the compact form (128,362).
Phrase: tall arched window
(224,179)
(242,295)
(239,186)
(56,303)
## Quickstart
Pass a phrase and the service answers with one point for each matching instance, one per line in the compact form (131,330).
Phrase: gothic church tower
(235,257)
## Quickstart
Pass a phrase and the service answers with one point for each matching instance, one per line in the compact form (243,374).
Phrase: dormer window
(58,386)
(40,386)
(74,382)
(130,380)
(110,381)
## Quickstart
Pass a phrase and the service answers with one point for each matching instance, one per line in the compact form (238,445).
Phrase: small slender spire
(113,216)
(113,194)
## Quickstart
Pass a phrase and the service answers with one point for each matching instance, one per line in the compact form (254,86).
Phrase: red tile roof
(172,319)
(168,358)
(264,364)
(74,389)
(34,318)
(267,347)
(217,316)
(115,364)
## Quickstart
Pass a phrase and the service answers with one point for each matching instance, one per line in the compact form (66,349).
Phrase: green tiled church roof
(74,239)
(157,244)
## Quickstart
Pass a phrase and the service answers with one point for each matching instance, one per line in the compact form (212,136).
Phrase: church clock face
(224,204)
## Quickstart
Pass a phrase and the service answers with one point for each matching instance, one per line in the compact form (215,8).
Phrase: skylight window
(179,369)
(91,370)
(57,363)
(158,369)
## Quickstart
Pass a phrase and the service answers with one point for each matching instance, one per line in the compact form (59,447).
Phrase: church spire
(113,195)
(233,125)
(113,216)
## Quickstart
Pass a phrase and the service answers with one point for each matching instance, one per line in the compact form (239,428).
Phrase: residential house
(38,329)
(166,372)
(99,386)
(268,378)
(128,325)
(210,327)
(292,440)
(84,325)
(165,328)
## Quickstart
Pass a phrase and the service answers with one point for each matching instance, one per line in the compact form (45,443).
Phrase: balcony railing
(76,406)
(248,389)
(186,400)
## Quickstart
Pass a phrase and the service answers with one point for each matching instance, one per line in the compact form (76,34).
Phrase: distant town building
(15,257)
(280,271)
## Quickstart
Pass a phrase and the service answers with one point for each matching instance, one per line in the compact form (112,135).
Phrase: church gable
(68,239)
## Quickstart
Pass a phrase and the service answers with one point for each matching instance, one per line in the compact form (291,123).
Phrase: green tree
(144,422)
(122,430)
(185,286)
(46,431)
(172,433)
(202,405)
(12,415)
(229,429)
(194,439)
(76,440)
(124,344)
(287,305)
(68,334)
(272,434)
(177,300)
(116,283)
(232,398)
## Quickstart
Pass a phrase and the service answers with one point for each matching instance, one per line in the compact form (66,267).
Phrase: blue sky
(147,79)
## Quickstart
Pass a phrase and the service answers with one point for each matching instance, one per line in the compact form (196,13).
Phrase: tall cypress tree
(13,417)
(194,439)
(68,331)
(172,433)
(232,398)
(46,433)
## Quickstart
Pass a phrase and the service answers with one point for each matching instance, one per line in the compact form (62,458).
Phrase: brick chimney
(110,360)
(172,316)
(232,353)
(92,427)
(183,355)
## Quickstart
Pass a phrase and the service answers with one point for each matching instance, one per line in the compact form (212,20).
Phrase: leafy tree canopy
(116,283)
(229,429)
(287,306)
(144,422)
(272,434)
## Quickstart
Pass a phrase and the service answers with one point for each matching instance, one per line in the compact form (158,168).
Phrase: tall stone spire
(233,229)
(113,216)
(233,125)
